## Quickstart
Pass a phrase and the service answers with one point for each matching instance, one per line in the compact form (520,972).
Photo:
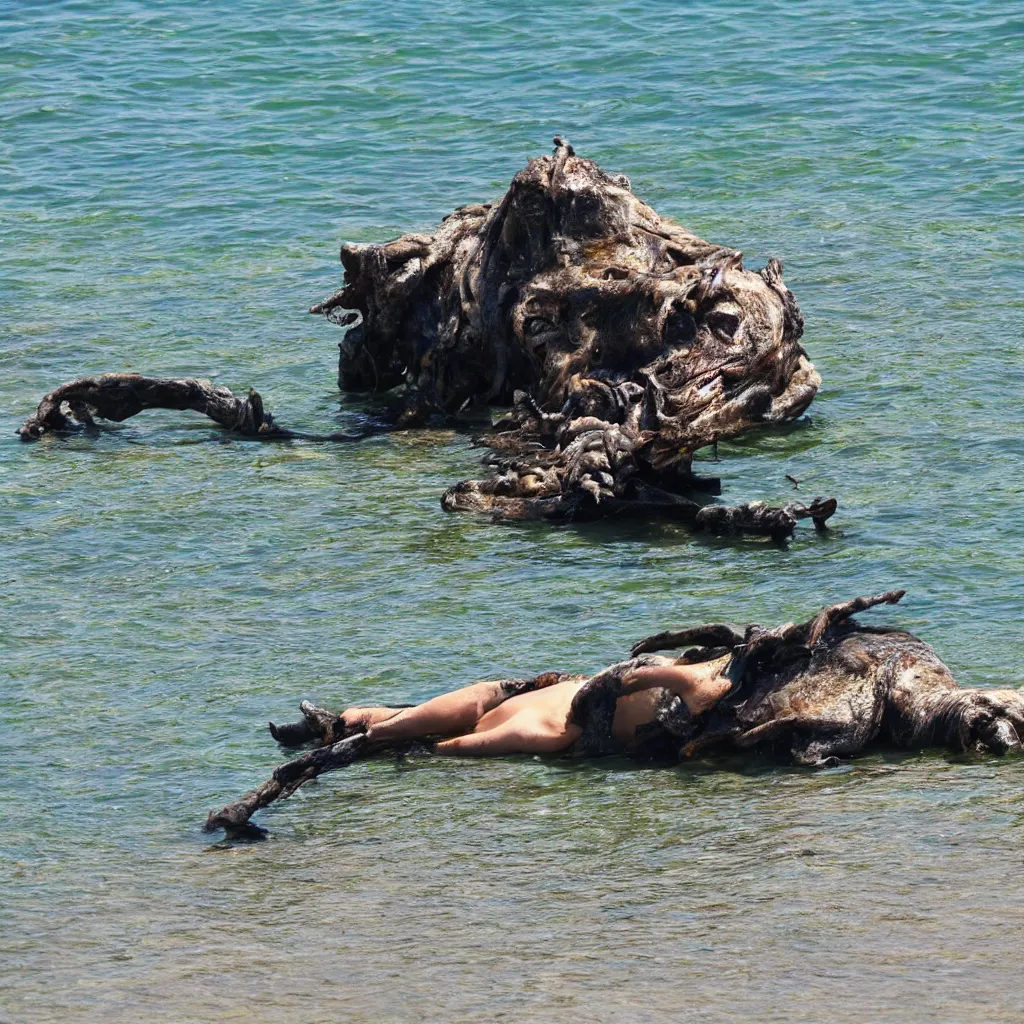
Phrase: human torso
(554,702)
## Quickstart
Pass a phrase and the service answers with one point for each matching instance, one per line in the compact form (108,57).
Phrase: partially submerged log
(118,396)
(285,780)
(74,407)
(809,693)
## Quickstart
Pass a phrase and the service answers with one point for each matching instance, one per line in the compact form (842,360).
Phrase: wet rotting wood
(286,779)
(622,342)
(118,396)
(617,343)
(809,693)
(74,406)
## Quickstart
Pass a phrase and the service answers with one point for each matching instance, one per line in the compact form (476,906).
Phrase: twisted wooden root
(755,638)
(623,341)
(642,501)
(286,779)
(337,746)
(812,691)
(578,465)
(118,396)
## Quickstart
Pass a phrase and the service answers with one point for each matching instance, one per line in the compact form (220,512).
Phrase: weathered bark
(336,746)
(118,396)
(828,688)
(809,692)
(286,779)
(623,342)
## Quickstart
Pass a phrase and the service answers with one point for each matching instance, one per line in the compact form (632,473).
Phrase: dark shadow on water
(241,835)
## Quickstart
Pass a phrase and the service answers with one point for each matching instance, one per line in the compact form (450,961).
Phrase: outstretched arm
(699,686)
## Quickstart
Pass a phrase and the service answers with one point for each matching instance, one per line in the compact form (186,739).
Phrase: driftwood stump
(117,396)
(622,342)
(618,342)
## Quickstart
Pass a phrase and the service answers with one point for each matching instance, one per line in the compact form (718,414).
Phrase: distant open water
(175,180)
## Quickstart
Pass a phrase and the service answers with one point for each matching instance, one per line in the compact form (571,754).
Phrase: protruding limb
(758,639)
(816,628)
(813,739)
(446,715)
(286,779)
(457,712)
(760,519)
(325,727)
(699,686)
(523,733)
(464,707)
(795,641)
(117,396)
(293,734)
(594,705)
(715,634)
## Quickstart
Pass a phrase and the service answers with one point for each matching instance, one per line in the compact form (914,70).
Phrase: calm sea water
(175,180)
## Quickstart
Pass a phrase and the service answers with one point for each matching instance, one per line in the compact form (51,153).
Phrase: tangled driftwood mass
(619,342)
(810,693)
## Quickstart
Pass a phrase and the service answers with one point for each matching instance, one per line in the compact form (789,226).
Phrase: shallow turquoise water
(174,184)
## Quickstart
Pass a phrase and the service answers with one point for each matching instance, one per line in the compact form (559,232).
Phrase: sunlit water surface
(174,184)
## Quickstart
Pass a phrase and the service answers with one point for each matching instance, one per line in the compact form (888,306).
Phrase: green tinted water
(174,184)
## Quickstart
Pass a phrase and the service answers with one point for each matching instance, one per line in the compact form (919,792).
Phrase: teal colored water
(175,181)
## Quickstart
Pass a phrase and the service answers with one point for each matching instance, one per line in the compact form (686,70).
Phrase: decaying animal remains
(621,343)
(809,694)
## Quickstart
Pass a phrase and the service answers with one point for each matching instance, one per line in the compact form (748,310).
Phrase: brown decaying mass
(809,693)
(619,342)
(622,342)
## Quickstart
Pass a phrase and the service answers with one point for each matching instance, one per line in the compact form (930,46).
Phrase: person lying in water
(812,692)
(632,705)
